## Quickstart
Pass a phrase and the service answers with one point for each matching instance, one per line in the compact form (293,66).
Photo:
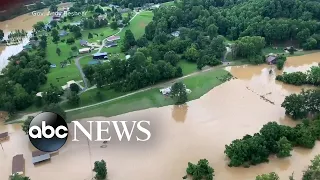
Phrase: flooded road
(200,129)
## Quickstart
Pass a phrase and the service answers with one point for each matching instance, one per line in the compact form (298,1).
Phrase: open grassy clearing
(187,67)
(199,85)
(138,24)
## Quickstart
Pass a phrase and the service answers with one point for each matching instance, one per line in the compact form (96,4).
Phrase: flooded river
(25,22)
(201,129)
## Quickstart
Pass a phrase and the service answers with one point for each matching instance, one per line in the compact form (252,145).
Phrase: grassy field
(90,97)
(199,85)
(138,24)
(187,67)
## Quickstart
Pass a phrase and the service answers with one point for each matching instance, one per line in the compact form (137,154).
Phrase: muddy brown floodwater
(25,22)
(201,129)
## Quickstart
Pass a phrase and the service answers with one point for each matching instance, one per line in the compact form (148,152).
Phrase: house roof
(3,135)
(271,58)
(62,33)
(41,158)
(101,54)
(18,164)
(113,38)
(83,42)
(38,153)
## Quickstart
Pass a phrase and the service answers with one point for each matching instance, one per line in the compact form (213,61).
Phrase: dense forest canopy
(276,20)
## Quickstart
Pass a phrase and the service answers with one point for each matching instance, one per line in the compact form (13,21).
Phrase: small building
(53,65)
(39,94)
(84,50)
(111,44)
(63,33)
(128,57)
(83,43)
(271,59)
(18,164)
(4,136)
(39,156)
(103,55)
(175,34)
(113,38)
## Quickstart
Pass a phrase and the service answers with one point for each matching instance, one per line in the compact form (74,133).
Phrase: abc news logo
(48,131)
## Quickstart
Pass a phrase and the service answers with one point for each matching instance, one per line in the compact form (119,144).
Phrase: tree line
(272,139)
(311,77)
(302,105)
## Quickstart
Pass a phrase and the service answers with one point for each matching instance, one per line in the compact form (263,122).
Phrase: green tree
(130,6)
(1,34)
(52,95)
(179,93)
(310,44)
(212,31)
(100,168)
(313,171)
(171,57)
(89,72)
(280,62)
(26,124)
(73,98)
(295,106)
(58,51)
(284,147)
(129,40)
(201,170)
(90,36)
(114,25)
(55,108)
(74,87)
(270,176)
(18,177)
(53,8)
(192,54)
(202,62)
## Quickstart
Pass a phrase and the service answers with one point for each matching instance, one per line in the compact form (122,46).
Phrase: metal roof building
(18,164)
(39,156)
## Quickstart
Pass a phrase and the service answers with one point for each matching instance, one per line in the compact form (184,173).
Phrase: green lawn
(90,97)
(199,85)
(273,50)
(138,24)
(187,67)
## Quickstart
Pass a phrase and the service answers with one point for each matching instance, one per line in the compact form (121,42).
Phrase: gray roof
(3,135)
(271,58)
(40,158)
(18,164)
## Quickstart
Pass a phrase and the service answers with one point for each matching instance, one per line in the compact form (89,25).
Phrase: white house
(84,50)
(166,91)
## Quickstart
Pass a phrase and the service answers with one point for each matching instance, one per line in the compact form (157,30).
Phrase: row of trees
(272,139)
(136,73)
(311,77)
(302,105)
